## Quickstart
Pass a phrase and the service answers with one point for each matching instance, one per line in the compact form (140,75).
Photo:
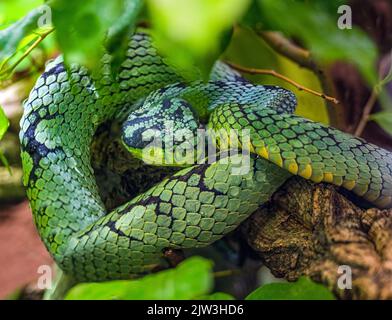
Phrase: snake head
(162,133)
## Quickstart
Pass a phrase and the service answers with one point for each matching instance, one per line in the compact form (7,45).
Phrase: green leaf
(384,119)
(4,123)
(5,162)
(217,296)
(318,29)
(388,77)
(11,37)
(190,33)
(12,10)
(82,27)
(190,279)
(303,289)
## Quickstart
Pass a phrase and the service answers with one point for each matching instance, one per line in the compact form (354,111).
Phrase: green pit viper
(196,205)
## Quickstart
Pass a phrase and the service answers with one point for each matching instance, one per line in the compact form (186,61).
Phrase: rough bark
(311,230)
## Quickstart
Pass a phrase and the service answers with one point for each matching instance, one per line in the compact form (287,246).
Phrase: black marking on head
(136,140)
(158,122)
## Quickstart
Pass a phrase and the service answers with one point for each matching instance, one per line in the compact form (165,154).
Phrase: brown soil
(21,250)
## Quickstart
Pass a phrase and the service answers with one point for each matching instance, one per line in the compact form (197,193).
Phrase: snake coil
(198,204)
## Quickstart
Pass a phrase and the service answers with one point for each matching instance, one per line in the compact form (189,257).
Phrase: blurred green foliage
(192,32)
(83,26)
(4,124)
(12,10)
(384,119)
(116,42)
(217,296)
(317,28)
(302,289)
(11,37)
(17,41)
(190,279)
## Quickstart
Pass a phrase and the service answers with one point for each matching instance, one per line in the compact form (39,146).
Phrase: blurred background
(342,53)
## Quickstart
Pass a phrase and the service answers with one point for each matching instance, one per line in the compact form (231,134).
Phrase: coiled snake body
(200,203)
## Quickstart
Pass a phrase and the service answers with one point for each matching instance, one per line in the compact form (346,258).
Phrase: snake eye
(163,134)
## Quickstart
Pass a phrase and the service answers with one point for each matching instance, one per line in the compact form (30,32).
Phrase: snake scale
(198,204)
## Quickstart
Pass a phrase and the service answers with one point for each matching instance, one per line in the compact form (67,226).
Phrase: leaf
(303,289)
(319,31)
(191,278)
(4,123)
(217,296)
(190,33)
(388,77)
(14,295)
(11,37)
(12,10)
(5,162)
(384,119)
(82,27)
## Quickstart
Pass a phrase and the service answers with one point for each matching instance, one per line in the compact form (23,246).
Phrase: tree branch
(6,72)
(288,49)
(279,43)
(282,77)
(367,110)
(311,229)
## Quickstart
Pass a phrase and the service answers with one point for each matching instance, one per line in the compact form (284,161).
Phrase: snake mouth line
(202,146)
